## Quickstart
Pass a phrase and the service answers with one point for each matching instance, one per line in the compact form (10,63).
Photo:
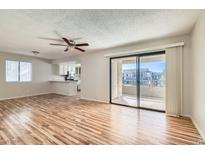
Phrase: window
(12,71)
(18,71)
(25,72)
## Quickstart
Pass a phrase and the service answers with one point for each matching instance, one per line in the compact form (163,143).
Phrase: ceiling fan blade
(52,39)
(80,49)
(66,40)
(66,50)
(58,44)
(82,44)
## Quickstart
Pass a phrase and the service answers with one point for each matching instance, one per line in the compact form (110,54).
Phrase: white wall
(198,74)
(41,72)
(95,69)
(116,79)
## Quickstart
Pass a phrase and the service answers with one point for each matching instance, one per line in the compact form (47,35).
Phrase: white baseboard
(84,98)
(198,128)
(90,99)
(1,99)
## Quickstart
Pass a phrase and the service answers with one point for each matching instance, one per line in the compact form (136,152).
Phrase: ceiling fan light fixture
(35,52)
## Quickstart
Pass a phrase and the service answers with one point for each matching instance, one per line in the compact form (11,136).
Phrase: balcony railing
(146,83)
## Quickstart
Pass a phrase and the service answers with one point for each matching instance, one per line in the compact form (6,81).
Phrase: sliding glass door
(152,82)
(138,81)
(124,80)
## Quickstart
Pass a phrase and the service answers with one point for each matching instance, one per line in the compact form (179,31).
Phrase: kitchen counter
(64,81)
(62,87)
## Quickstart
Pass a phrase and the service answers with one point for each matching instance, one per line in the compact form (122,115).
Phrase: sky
(153,66)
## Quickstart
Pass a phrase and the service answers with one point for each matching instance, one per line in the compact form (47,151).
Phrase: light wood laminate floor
(56,119)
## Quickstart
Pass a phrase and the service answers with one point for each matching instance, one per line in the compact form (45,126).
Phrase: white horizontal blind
(12,71)
(25,72)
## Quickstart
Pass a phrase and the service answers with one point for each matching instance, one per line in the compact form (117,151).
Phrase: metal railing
(146,83)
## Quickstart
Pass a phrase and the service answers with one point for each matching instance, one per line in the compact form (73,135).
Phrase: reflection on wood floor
(146,102)
(56,119)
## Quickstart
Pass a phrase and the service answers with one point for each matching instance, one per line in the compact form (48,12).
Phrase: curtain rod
(151,49)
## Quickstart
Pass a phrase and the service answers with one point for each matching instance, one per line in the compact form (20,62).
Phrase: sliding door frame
(137,77)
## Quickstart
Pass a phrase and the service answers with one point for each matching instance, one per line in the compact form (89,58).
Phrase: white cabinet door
(63,69)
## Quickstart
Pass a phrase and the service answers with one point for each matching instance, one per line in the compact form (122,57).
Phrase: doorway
(139,80)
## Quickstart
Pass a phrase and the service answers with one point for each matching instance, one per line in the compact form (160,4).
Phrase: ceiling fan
(71,44)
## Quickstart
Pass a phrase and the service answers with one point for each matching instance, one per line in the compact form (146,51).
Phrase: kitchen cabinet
(73,69)
(63,69)
(68,88)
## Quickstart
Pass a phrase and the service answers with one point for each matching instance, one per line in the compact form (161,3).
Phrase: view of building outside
(129,76)
(152,74)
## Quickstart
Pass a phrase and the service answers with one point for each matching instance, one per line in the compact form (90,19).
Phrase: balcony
(150,97)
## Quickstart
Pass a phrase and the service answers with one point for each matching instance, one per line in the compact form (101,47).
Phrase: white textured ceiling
(20,29)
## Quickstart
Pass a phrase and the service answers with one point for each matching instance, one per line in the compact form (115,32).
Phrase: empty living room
(102,77)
